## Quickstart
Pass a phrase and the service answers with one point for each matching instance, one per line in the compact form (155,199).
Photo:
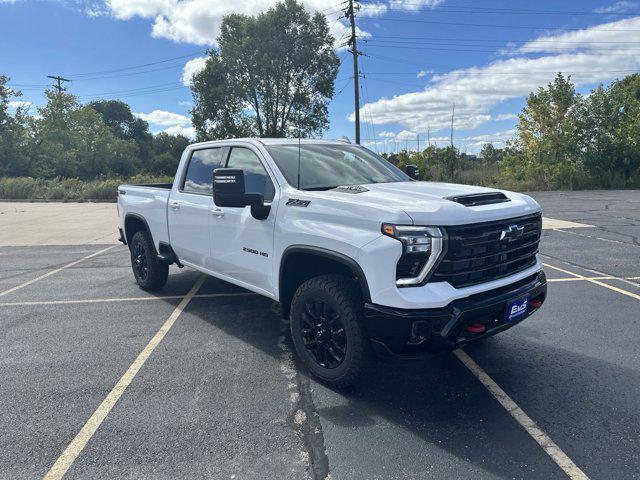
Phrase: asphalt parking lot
(99,379)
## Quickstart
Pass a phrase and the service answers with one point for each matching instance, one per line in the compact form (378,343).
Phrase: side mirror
(229,191)
(412,171)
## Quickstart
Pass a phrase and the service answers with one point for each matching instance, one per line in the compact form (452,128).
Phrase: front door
(241,246)
(190,205)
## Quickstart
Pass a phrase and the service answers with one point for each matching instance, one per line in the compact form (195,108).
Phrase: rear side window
(256,179)
(199,175)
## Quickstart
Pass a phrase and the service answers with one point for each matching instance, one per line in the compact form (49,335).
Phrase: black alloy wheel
(323,334)
(149,271)
(140,266)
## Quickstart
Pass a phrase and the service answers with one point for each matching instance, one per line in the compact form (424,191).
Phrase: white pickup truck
(363,259)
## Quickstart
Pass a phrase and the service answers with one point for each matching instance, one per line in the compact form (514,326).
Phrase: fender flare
(146,226)
(330,254)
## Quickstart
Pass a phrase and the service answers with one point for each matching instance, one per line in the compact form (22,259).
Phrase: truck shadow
(419,418)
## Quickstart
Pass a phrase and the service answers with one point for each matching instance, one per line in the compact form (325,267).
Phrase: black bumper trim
(389,328)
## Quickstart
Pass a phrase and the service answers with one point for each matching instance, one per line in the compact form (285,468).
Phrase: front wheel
(326,328)
(150,272)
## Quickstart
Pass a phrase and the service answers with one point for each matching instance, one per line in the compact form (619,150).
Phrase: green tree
(167,150)
(13,133)
(273,76)
(74,141)
(609,128)
(548,133)
(124,125)
(491,153)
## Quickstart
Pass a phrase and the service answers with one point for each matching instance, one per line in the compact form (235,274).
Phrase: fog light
(420,331)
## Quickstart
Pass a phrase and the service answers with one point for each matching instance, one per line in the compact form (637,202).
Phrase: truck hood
(427,204)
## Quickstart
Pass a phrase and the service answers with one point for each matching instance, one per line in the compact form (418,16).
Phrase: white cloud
(18,103)
(496,137)
(406,135)
(164,118)
(176,123)
(189,132)
(618,7)
(198,21)
(505,116)
(414,5)
(387,134)
(475,91)
(192,67)
(609,38)
(373,9)
(421,73)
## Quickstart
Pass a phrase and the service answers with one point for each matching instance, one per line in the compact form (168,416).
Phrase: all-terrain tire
(340,296)
(150,272)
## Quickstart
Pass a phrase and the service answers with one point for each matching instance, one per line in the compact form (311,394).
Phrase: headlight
(422,248)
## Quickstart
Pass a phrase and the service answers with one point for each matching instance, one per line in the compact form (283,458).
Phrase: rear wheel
(326,327)
(150,272)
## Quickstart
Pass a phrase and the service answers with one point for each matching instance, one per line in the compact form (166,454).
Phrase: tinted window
(199,176)
(256,179)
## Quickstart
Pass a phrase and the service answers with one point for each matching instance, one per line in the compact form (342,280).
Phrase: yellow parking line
(575,279)
(549,446)
(123,299)
(48,274)
(597,282)
(76,446)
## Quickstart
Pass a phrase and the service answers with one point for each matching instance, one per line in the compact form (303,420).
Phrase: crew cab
(364,260)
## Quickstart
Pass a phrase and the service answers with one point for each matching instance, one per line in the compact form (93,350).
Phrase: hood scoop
(476,199)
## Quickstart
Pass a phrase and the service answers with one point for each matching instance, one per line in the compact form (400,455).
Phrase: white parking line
(48,274)
(123,299)
(76,446)
(548,445)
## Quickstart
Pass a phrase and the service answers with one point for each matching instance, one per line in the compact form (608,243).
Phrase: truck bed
(148,202)
(161,186)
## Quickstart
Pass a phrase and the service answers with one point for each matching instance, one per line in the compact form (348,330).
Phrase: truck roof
(276,141)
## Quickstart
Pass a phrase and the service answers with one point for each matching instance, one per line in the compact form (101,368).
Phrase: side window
(199,177)
(256,179)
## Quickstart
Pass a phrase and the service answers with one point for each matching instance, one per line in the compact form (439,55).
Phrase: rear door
(241,246)
(190,204)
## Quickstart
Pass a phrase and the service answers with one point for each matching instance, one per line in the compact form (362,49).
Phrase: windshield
(323,167)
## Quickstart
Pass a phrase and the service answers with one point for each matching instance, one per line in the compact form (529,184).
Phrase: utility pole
(59,86)
(453,112)
(351,15)
(418,143)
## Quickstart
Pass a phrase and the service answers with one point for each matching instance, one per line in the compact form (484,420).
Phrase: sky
(423,61)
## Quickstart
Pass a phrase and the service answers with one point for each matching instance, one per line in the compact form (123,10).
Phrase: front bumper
(398,334)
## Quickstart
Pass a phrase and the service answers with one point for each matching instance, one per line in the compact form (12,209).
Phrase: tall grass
(68,189)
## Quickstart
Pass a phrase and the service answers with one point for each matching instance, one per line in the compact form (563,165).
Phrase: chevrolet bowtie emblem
(511,233)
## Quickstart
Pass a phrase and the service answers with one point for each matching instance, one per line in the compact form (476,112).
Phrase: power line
(496,10)
(491,25)
(524,48)
(133,67)
(446,72)
(527,40)
(414,47)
